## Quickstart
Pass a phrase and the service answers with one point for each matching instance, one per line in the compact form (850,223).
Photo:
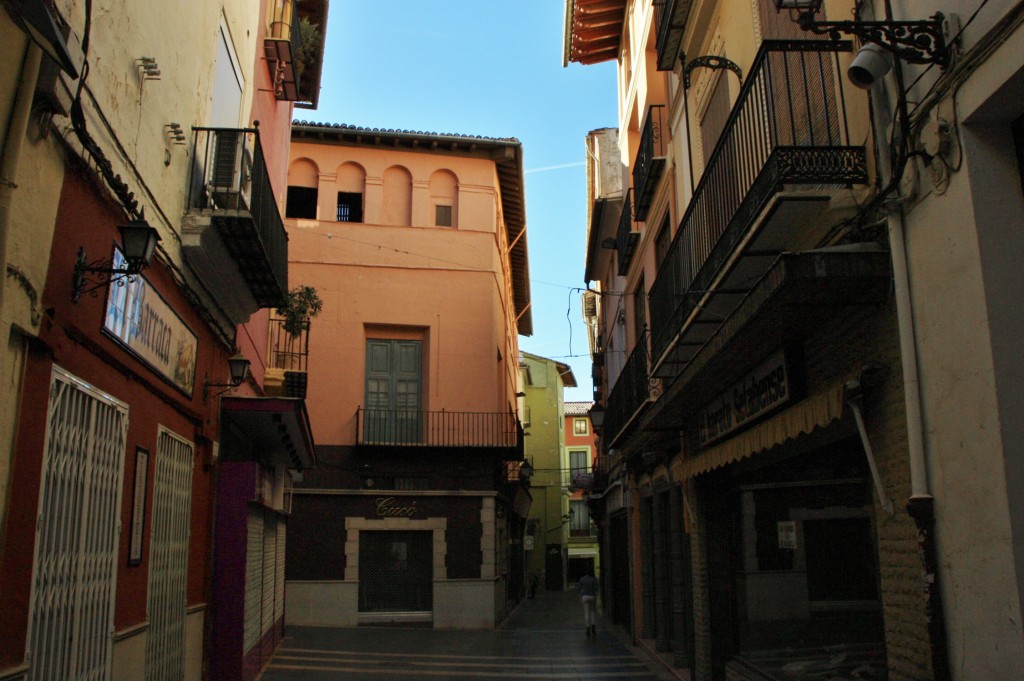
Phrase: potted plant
(301,304)
(290,342)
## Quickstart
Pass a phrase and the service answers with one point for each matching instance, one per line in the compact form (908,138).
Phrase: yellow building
(547,532)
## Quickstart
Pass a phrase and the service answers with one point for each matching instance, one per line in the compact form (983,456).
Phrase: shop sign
(766,387)
(143,321)
(390,507)
(787,534)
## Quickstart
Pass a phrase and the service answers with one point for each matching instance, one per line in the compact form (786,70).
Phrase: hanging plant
(302,304)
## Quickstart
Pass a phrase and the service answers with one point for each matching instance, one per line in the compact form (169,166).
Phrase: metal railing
(627,235)
(287,351)
(650,160)
(788,128)
(229,179)
(672,17)
(630,392)
(389,427)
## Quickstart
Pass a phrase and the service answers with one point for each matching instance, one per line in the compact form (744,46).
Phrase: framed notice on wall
(138,506)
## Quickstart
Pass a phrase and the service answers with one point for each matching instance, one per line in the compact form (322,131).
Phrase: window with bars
(350,207)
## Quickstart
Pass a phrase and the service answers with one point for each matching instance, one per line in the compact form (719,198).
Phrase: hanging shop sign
(142,320)
(766,387)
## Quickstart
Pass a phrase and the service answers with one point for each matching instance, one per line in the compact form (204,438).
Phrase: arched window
(444,192)
(397,208)
(303,180)
(351,185)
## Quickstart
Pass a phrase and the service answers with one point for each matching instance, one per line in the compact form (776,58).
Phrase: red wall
(71,338)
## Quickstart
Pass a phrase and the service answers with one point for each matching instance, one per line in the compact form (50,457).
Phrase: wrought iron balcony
(439,429)
(785,149)
(628,234)
(287,373)
(282,46)
(672,17)
(649,163)
(630,393)
(230,192)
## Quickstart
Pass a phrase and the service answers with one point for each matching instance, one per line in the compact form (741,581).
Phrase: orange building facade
(416,244)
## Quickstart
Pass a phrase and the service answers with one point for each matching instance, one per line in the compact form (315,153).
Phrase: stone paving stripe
(452,673)
(449,662)
(361,653)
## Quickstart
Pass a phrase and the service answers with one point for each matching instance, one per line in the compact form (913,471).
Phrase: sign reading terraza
(389,507)
(151,330)
(764,388)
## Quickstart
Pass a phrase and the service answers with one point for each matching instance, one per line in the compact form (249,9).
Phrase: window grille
(168,558)
(75,568)
(396,571)
(350,207)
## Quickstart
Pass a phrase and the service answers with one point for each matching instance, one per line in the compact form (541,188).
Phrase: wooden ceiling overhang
(593,30)
(507,154)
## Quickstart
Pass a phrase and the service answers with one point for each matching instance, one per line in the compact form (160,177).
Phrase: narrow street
(542,639)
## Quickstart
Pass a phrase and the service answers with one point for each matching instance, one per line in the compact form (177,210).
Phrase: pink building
(416,243)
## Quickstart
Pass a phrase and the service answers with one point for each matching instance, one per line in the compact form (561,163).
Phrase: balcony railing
(403,427)
(672,17)
(628,234)
(287,351)
(787,130)
(650,161)
(282,47)
(630,392)
(229,183)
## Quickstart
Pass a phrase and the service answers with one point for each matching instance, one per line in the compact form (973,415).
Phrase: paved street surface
(543,639)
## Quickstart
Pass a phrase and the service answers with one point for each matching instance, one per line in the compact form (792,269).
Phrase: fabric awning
(273,430)
(816,411)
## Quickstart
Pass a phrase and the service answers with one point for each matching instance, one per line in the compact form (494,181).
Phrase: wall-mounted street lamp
(525,472)
(239,368)
(597,416)
(916,42)
(138,241)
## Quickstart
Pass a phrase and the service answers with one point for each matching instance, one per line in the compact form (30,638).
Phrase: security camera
(871,63)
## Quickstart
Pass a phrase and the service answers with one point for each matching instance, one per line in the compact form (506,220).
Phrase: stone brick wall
(841,348)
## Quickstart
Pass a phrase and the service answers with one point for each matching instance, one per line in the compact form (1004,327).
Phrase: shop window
(301,203)
(350,207)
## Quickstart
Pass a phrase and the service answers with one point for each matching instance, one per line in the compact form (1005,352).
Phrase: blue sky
(493,69)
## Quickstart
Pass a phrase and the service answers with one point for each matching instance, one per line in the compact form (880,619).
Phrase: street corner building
(144,156)
(804,356)
(417,244)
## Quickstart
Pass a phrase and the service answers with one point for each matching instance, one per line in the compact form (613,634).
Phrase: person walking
(588,596)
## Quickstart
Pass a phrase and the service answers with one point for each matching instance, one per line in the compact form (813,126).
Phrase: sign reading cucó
(761,390)
(144,322)
(390,507)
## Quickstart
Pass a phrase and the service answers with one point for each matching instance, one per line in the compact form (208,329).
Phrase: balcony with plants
(784,157)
